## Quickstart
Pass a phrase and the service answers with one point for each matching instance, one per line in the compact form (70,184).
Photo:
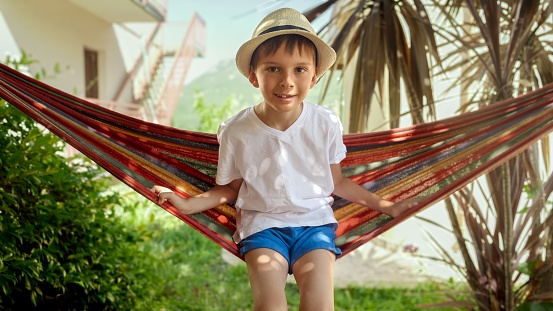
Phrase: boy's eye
(301,69)
(272,69)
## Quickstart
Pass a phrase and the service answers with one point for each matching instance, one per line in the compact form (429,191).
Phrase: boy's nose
(286,81)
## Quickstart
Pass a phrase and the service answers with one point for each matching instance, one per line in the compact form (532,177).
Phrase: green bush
(72,239)
(62,247)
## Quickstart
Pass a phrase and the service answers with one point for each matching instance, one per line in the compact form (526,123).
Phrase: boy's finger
(161,199)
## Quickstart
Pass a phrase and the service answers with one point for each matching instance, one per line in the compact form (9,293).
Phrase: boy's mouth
(284,95)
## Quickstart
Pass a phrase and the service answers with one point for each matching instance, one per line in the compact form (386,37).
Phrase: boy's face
(284,79)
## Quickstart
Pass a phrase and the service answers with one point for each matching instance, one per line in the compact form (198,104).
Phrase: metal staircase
(157,77)
(166,91)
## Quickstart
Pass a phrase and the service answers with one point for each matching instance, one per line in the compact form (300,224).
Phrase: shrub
(62,247)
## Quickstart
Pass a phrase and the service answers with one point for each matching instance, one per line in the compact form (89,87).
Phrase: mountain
(224,82)
(217,85)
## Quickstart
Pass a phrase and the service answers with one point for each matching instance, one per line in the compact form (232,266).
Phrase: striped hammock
(432,159)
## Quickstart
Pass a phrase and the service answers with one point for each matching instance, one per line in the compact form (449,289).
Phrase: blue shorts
(292,242)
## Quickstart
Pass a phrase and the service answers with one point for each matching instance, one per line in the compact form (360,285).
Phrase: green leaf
(528,268)
(535,306)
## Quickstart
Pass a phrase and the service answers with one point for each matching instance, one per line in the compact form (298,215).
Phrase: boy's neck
(275,119)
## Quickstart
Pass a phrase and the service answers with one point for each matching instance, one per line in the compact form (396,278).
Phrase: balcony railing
(154,7)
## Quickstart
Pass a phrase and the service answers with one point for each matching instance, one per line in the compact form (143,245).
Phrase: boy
(280,162)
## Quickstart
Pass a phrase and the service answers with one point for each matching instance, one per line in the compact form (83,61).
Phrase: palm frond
(388,43)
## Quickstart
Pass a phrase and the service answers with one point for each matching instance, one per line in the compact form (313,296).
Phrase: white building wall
(57,32)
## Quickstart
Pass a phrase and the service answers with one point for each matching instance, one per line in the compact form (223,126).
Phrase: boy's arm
(351,191)
(220,194)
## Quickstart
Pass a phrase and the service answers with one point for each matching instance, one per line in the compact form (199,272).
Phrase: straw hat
(281,22)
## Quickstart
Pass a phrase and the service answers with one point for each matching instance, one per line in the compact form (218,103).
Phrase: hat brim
(326,55)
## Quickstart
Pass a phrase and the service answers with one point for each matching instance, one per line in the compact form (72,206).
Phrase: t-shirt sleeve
(226,166)
(337,148)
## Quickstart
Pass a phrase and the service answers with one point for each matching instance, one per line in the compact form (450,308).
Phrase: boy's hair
(271,45)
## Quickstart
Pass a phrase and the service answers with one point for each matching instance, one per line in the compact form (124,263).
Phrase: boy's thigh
(315,268)
(313,257)
(267,270)
(314,274)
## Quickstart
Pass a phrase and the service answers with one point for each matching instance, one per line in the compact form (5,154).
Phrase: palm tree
(503,50)
(506,49)
(387,43)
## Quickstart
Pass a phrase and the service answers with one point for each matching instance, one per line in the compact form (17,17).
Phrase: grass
(189,273)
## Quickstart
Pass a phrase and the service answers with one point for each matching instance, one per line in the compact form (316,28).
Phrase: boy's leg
(314,273)
(267,270)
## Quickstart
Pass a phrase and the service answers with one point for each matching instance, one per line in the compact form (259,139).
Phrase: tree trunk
(544,289)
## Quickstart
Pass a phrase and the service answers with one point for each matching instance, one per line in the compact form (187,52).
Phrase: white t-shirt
(287,178)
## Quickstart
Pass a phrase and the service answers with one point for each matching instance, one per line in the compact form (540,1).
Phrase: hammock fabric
(431,160)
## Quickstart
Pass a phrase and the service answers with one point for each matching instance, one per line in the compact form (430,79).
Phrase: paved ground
(376,264)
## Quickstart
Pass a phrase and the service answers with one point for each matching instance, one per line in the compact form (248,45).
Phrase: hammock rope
(432,159)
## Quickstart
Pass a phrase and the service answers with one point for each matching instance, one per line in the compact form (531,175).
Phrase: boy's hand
(167,195)
(162,193)
(401,207)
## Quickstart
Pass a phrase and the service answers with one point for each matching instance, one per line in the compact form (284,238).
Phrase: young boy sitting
(280,161)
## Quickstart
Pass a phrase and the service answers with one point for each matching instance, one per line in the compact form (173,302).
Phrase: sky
(228,24)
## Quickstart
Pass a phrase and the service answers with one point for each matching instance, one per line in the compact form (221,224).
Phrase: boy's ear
(253,78)
(313,81)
